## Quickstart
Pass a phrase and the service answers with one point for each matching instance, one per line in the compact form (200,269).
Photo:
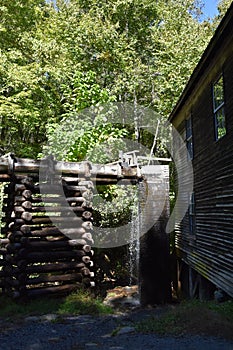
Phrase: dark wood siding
(210,250)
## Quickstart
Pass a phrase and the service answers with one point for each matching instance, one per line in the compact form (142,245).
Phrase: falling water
(134,247)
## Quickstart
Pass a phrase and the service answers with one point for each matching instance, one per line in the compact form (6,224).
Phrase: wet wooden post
(154,264)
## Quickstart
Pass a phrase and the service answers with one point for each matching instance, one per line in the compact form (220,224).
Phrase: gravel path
(88,332)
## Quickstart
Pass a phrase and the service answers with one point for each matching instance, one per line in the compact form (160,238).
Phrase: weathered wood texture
(94,171)
(46,239)
(47,228)
(154,267)
(209,251)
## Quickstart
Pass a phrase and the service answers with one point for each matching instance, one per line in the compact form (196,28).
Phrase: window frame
(189,137)
(219,109)
(192,214)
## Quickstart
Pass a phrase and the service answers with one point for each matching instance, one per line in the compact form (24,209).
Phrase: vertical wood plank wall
(210,250)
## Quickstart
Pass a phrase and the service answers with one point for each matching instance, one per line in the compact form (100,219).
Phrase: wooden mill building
(204,118)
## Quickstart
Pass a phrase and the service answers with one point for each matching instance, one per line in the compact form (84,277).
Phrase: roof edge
(204,58)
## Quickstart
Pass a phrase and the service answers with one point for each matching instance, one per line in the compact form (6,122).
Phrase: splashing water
(134,248)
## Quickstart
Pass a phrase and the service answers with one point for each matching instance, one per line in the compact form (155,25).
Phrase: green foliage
(114,205)
(223,6)
(225,309)
(87,135)
(81,302)
(12,309)
(57,60)
(168,324)
(192,317)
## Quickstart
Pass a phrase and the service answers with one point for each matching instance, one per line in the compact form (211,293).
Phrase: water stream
(134,248)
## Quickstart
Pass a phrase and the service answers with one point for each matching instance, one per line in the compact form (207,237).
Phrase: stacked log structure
(47,236)
(7,207)
(38,256)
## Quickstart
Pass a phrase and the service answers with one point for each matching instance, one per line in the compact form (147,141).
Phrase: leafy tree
(142,51)
(60,57)
(223,6)
(28,97)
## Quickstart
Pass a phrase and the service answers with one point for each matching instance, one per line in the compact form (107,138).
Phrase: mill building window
(218,106)
(189,137)
(192,220)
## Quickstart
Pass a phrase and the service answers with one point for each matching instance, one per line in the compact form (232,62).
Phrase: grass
(192,317)
(188,317)
(79,303)
(83,303)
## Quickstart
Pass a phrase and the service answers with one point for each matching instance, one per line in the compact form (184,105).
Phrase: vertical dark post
(154,267)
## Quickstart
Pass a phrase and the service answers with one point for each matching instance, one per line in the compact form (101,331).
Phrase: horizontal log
(23,269)
(51,256)
(5,177)
(53,267)
(57,209)
(76,188)
(49,199)
(20,188)
(77,242)
(88,237)
(63,289)
(45,245)
(25,229)
(60,188)
(72,168)
(18,209)
(86,259)
(18,222)
(64,220)
(10,270)
(22,176)
(82,183)
(87,215)
(21,260)
(54,231)
(27,205)
(85,271)
(59,200)
(26,216)
(19,199)
(21,263)
(87,248)
(55,278)
(13,247)
(87,225)
(10,281)
(4,241)
(71,222)
(75,199)
(15,236)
